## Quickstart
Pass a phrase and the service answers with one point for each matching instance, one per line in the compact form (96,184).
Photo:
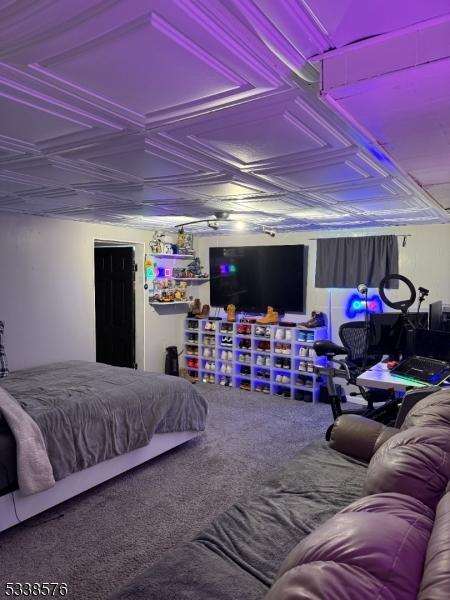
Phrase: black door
(114,306)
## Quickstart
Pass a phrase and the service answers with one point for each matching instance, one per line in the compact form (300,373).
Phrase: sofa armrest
(358,436)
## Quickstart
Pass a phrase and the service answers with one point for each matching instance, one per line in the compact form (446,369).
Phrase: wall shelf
(175,256)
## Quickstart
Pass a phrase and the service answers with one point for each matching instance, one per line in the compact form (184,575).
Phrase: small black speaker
(171,367)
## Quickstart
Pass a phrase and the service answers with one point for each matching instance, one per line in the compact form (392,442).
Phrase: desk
(380,377)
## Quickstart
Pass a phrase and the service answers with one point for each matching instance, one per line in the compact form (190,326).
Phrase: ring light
(402,305)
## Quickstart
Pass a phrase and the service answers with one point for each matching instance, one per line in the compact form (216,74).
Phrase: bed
(67,427)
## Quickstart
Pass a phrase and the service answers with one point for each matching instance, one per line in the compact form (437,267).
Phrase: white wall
(47,293)
(425,260)
(47,284)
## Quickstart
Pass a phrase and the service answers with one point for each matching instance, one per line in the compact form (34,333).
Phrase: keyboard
(422,369)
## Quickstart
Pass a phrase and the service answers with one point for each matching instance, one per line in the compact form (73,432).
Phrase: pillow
(3,362)
(374,548)
(415,462)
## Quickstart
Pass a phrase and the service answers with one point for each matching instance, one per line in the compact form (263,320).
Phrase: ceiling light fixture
(269,231)
(213,224)
(240,225)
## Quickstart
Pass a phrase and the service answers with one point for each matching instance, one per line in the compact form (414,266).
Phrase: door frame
(139,304)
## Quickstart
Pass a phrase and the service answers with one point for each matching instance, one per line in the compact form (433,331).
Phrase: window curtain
(346,262)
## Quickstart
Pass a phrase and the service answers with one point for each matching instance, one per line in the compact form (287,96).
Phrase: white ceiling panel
(148,113)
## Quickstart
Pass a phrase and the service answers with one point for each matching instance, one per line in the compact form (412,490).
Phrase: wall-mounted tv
(254,277)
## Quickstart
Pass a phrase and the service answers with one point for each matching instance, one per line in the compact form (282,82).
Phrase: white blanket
(34,471)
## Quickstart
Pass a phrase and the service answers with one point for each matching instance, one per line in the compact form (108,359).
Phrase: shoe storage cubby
(269,359)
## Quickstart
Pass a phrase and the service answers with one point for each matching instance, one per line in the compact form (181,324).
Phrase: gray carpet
(107,535)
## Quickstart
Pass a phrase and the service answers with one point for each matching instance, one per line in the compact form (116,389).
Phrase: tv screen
(255,277)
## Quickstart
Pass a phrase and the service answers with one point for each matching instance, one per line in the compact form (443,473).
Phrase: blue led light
(356,305)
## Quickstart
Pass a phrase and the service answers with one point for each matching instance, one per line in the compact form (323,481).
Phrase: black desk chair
(353,336)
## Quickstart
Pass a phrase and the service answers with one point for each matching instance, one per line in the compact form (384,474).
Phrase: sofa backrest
(374,548)
(415,462)
(436,576)
(431,411)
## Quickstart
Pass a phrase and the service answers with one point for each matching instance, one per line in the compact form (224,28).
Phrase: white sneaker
(213,326)
(223,355)
(206,352)
(223,368)
(259,360)
(229,369)
(312,353)
(208,326)
(288,335)
(285,379)
(207,365)
(213,366)
(213,352)
(302,366)
(277,349)
(229,355)
(278,378)
(267,361)
(279,334)
(241,358)
(310,367)
(259,330)
(286,349)
(267,331)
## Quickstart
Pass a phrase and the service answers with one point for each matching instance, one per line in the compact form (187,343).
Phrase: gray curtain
(346,262)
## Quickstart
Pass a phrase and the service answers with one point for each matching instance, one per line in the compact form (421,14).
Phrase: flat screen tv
(254,277)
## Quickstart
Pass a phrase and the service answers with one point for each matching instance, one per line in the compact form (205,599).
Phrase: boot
(196,307)
(204,314)
(317,320)
(271,317)
(231,313)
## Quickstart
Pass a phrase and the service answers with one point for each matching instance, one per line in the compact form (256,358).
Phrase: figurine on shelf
(185,242)
(194,269)
(157,242)
(167,249)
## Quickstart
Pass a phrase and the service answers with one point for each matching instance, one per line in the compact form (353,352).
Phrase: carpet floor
(101,539)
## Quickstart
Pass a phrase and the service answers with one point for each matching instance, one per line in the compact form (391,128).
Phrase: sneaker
(286,363)
(259,360)
(311,353)
(278,363)
(285,379)
(308,382)
(207,366)
(267,361)
(310,336)
(223,368)
(277,349)
(258,388)
(310,367)
(266,389)
(240,358)
(229,369)
(259,330)
(260,374)
(286,349)
(317,320)
(302,366)
(278,377)
(288,335)
(302,351)
(208,325)
(205,378)
(248,358)
(213,326)
(229,355)
(301,336)
(279,333)
(212,379)
(222,381)
(300,381)
(267,331)
(223,355)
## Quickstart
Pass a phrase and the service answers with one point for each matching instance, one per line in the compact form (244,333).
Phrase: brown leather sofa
(394,543)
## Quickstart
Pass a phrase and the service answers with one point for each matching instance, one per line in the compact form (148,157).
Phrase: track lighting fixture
(213,224)
(181,230)
(269,231)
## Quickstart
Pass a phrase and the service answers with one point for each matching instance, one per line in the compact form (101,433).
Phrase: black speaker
(171,367)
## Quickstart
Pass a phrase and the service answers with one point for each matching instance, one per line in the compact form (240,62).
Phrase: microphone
(362,288)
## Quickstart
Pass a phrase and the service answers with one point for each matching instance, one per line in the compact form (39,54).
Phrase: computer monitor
(432,344)
(388,335)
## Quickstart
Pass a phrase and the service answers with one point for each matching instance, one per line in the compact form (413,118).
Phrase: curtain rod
(402,235)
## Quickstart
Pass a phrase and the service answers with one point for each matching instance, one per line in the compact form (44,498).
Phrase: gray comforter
(89,412)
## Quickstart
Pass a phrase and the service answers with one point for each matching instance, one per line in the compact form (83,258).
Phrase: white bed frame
(15,507)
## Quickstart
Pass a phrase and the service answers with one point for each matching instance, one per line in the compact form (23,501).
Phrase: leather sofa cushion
(436,577)
(415,462)
(432,411)
(374,548)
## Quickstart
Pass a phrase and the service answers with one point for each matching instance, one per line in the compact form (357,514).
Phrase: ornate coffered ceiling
(150,113)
